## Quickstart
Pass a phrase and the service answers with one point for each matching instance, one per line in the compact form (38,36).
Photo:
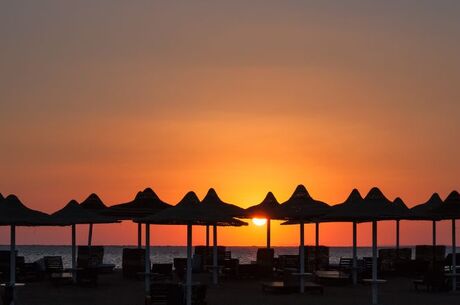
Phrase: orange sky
(113,97)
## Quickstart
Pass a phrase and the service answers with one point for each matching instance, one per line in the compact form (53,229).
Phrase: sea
(165,254)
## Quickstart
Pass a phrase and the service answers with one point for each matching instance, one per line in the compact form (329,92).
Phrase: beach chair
(55,272)
(265,259)
(89,260)
(162,271)
(133,262)
(231,268)
(180,267)
(345,264)
(5,265)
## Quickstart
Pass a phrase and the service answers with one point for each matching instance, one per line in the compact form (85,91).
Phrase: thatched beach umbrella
(73,214)
(375,207)
(269,209)
(94,203)
(14,213)
(212,202)
(450,209)
(145,203)
(301,208)
(424,211)
(344,213)
(401,212)
(187,212)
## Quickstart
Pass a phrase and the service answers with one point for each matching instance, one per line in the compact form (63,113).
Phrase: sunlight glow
(259,221)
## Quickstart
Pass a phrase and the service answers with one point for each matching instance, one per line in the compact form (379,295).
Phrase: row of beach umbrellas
(147,208)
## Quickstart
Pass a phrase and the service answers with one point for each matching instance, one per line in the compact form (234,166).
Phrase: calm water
(165,254)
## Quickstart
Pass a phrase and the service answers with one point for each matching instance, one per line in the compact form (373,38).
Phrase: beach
(114,290)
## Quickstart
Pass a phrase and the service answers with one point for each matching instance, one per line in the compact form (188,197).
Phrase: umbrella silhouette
(189,211)
(402,212)
(301,208)
(269,209)
(94,203)
(145,203)
(73,214)
(376,207)
(212,202)
(343,212)
(425,211)
(450,209)
(14,213)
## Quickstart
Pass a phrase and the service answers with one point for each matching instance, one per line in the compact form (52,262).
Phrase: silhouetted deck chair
(162,271)
(288,263)
(265,262)
(54,270)
(133,262)
(346,264)
(5,266)
(88,261)
(180,266)
(366,270)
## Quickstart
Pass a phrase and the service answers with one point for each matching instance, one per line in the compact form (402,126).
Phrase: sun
(259,221)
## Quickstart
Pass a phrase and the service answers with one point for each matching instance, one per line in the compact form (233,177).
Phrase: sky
(247,97)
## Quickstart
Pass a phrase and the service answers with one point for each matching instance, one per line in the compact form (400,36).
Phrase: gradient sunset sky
(243,96)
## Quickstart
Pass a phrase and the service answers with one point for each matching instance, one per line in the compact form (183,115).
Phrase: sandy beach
(114,290)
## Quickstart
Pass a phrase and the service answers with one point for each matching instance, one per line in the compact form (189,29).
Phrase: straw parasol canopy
(93,202)
(450,209)
(345,211)
(14,212)
(269,208)
(190,211)
(73,213)
(375,206)
(212,202)
(301,206)
(400,209)
(146,202)
(1,198)
(424,211)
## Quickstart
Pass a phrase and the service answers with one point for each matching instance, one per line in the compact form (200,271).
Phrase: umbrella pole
(90,234)
(214,258)
(206,252)
(74,253)
(12,260)
(454,258)
(139,235)
(355,262)
(268,233)
(147,264)
(397,238)
(434,244)
(189,266)
(374,263)
(316,245)
(302,257)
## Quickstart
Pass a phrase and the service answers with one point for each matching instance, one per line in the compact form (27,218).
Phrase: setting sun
(259,221)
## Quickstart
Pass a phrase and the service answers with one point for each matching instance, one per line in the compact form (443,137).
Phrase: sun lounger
(55,272)
(133,262)
(265,262)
